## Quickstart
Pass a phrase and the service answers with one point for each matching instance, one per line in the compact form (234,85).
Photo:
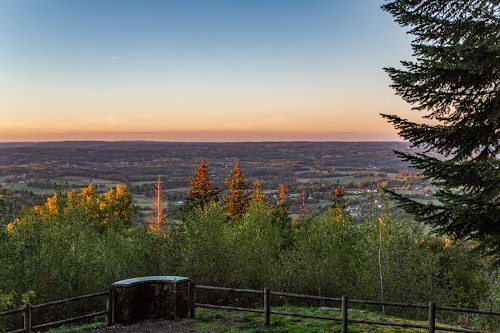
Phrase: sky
(198,70)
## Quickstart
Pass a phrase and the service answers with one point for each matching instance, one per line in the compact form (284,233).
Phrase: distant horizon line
(158,141)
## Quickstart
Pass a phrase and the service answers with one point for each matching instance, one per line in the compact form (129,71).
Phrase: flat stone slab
(129,282)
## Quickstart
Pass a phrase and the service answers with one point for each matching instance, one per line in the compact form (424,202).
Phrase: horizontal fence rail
(28,308)
(320,298)
(248,291)
(5,313)
(67,300)
(432,307)
(404,305)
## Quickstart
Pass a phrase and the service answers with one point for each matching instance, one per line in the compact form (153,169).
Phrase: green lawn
(213,320)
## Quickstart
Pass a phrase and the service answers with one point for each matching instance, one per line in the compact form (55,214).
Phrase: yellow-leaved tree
(113,209)
(116,207)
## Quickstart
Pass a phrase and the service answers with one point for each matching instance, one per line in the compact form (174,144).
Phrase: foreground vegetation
(82,242)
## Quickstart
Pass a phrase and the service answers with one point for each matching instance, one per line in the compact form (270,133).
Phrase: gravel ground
(176,326)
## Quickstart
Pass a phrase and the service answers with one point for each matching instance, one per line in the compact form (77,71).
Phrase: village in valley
(311,171)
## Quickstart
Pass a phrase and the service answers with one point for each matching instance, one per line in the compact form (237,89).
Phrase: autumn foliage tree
(257,196)
(339,205)
(200,191)
(116,207)
(110,210)
(236,198)
(281,197)
(281,212)
(158,212)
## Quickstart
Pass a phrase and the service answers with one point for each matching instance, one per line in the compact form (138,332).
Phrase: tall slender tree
(282,197)
(280,211)
(339,204)
(236,198)
(257,195)
(200,192)
(455,81)
(302,208)
(158,213)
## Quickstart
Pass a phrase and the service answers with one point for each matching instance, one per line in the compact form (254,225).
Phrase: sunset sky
(198,70)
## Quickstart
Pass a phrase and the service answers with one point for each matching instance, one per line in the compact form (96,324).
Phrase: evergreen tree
(302,208)
(200,192)
(281,212)
(257,195)
(282,197)
(455,80)
(236,198)
(339,205)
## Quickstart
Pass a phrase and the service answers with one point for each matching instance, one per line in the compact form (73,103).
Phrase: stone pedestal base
(151,297)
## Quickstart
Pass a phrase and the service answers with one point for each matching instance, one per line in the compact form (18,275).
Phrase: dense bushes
(70,253)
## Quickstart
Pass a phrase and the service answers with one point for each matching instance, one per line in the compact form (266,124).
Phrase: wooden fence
(266,311)
(28,308)
(345,301)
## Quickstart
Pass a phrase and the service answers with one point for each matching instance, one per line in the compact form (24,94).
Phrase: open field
(25,187)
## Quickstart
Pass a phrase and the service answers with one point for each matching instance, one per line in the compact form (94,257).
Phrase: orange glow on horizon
(196,136)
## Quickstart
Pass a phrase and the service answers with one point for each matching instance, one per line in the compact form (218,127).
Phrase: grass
(250,322)
(229,321)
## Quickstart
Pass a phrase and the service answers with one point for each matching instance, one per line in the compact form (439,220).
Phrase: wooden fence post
(432,317)
(267,307)
(192,299)
(345,304)
(109,307)
(27,317)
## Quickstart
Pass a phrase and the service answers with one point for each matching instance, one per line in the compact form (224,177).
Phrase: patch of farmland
(25,187)
(142,183)
(77,180)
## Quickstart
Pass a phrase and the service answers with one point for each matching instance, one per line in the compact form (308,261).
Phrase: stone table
(150,297)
